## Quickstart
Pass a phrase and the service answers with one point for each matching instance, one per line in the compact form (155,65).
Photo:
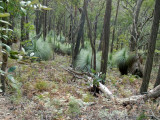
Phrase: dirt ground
(48,92)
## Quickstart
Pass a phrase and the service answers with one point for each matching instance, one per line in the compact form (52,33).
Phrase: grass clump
(84,60)
(41,85)
(74,107)
(41,49)
(88,98)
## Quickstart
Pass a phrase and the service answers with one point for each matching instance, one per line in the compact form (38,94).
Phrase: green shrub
(41,49)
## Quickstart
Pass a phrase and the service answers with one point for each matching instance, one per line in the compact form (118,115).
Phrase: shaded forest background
(88,40)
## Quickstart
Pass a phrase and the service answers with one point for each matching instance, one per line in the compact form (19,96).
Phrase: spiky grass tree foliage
(58,43)
(84,60)
(61,38)
(41,49)
(128,62)
(120,58)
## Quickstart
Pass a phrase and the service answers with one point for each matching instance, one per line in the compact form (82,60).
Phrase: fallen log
(154,93)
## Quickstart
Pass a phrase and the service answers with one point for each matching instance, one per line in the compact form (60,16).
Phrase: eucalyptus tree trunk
(105,48)
(101,39)
(38,21)
(115,22)
(134,33)
(151,48)
(80,33)
(44,21)
(158,78)
(90,35)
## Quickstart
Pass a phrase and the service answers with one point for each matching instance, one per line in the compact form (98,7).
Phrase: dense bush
(41,49)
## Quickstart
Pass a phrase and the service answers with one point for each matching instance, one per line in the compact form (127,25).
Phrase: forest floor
(49,92)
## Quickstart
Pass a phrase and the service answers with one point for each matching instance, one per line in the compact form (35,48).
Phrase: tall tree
(158,78)
(151,48)
(38,21)
(90,37)
(115,22)
(134,32)
(105,47)
(80,33)
(45,20)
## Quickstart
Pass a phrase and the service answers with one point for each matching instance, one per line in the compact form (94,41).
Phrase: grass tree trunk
(134,32)
(80,34)
(105,48)
(158,78)
(4,54)
(115,22)
(151,48)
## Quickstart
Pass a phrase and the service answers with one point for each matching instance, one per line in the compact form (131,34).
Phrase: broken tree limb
(106,91)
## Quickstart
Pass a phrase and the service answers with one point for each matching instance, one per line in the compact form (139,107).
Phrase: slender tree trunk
(151,48)
(27,31)
(38,21)
(82,40)
(115,22)
(158,78)
(22,30)
(134,33)
(101,40)
(105,48)
(80,32)
(11,20)
(44,21)
(90,35)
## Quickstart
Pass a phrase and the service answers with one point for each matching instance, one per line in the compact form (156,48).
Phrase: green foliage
(142,116)
(4,15)
(88,98)
(74,107)
(12,69)
(110,60)
(41,49)
(61,38)
(84,60)
(17,97)
(121,56)
(58,43)
(41,85)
